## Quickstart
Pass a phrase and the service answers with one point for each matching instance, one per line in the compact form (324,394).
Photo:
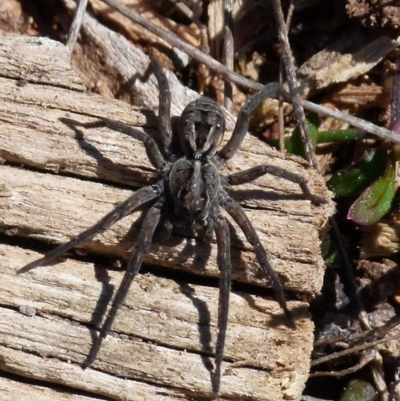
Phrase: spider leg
(242,122)
(140,197)
(224,263)
(152,150)
(238,214)
(142,247)
(164,106)
(251,174)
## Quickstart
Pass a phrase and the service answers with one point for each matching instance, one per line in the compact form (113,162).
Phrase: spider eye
(218,125)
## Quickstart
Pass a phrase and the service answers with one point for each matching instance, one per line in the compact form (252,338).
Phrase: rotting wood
(44,206)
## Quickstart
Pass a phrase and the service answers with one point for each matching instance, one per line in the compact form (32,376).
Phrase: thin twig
(185,9)
(356,122)
(228,50)
(381,331)
(76,24)
(292,83)
(365,360)
(395,386)
(289,15)
(353,350)
(395,101)
(281,122)
(366,336)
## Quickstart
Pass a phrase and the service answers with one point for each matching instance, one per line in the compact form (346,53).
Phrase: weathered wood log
(15,390)
(164,336)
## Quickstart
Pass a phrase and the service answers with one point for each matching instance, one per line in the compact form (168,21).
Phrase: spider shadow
(104,165)
(106,294)
(107,169)
(128,87)
(203,327)
(189,255)
(261,194)
(107,291)
(276,320)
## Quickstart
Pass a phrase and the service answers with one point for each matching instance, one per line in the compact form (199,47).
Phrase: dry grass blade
(292,83)
(76,24)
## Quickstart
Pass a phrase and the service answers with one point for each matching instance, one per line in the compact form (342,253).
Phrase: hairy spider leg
(152,150)
(141,248)
(140,197)
(242,122)
(221,230)
(164,106)
(242,177)
(240,217)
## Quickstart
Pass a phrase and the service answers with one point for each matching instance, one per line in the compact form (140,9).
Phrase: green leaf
(356,179)
(377,199)
(294,144)
(338,135)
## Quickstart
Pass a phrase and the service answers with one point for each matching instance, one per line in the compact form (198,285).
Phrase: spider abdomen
(193,185)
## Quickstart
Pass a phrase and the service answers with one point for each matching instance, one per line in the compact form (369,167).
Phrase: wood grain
(160,334)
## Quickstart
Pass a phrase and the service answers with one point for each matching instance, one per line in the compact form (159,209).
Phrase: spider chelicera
(191,192)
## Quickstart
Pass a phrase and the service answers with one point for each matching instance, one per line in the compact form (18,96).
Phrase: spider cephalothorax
(190,181)
(201,128)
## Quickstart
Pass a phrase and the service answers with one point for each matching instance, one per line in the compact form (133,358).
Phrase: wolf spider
(191,191)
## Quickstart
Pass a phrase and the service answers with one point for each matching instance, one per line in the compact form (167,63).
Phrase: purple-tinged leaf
(353,181)
(376,200)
